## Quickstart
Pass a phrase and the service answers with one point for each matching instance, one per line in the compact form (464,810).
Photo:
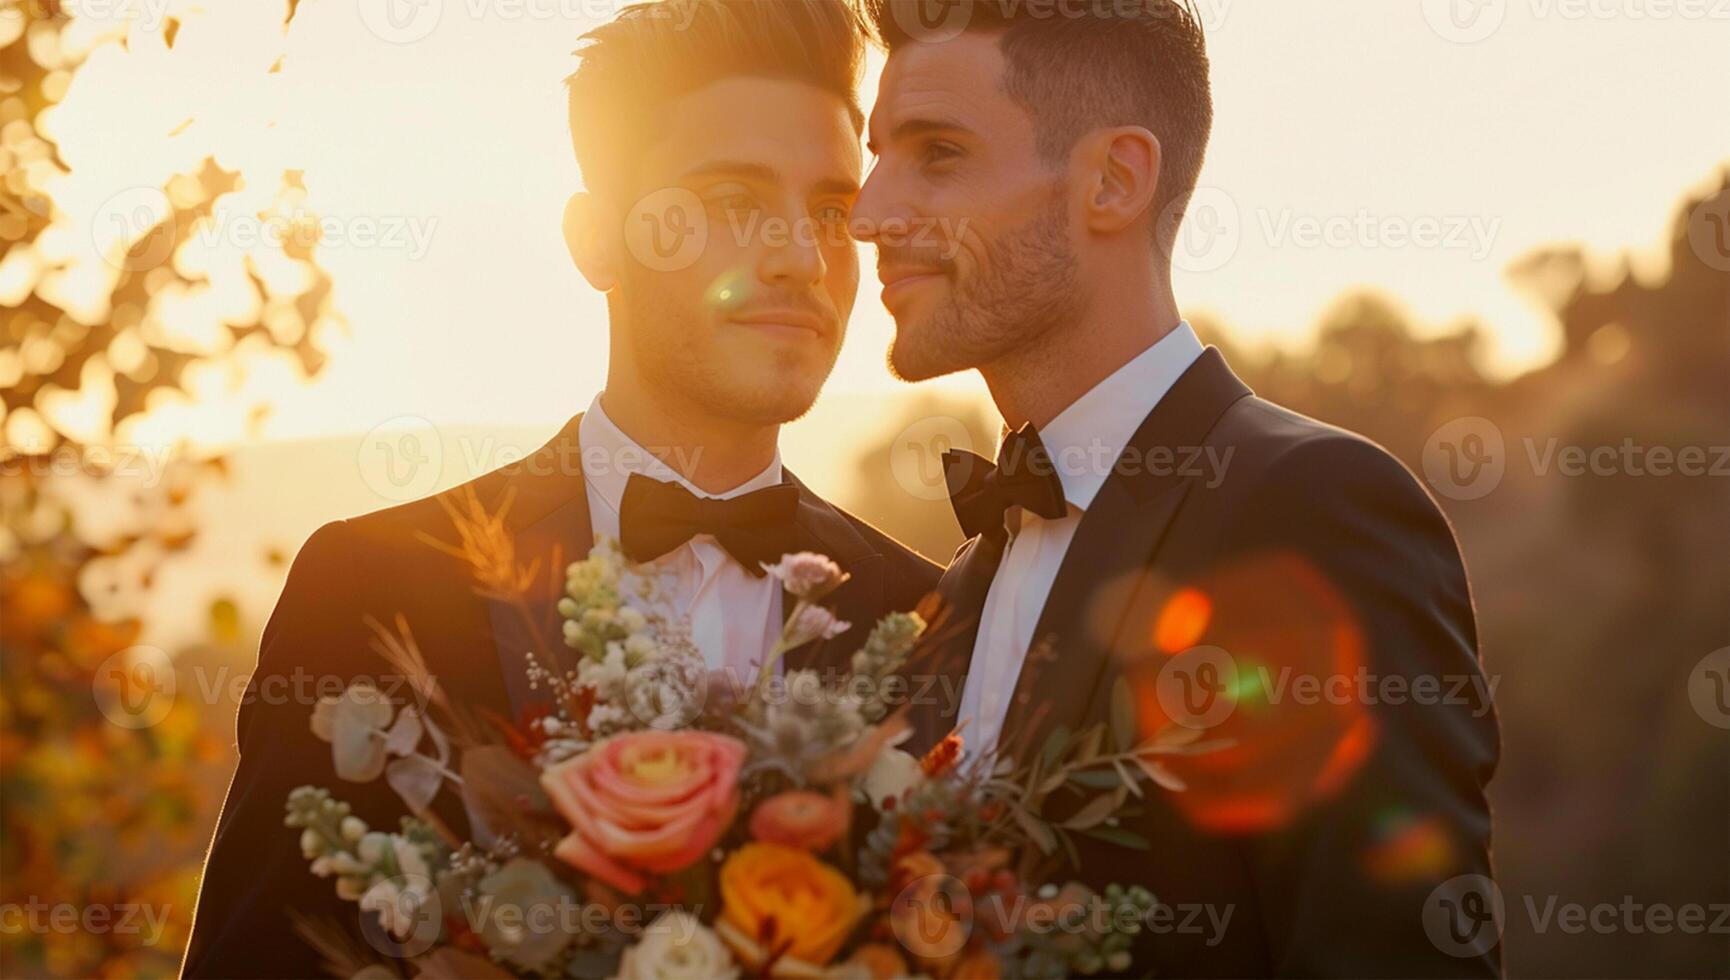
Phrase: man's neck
(714,454)
(1037,384)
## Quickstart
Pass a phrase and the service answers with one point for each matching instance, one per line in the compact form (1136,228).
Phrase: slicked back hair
(650,54)
(1076,67)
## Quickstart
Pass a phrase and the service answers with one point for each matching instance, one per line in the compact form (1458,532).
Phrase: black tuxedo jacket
(1298,549)
(316,641)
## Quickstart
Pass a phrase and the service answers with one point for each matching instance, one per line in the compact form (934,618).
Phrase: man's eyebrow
(920,126)
(763,173)
(836,185)
(735,168)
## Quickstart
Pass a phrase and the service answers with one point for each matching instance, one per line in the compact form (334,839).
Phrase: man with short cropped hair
(719,145)
(1156,545)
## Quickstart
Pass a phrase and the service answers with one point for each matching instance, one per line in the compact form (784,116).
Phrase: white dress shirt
(1084,441)
(735,616)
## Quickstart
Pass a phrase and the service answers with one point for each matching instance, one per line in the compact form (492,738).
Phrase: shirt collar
(1086,438)
(610,457)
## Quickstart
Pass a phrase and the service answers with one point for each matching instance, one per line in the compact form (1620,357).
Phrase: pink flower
(811,623)
(645,802)
(807,575)
(800,818)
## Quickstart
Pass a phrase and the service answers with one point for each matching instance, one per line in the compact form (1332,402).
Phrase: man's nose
(798,260)
(871,208)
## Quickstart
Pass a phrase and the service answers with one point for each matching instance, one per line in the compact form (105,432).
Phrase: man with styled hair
(719,145)
(1154,545)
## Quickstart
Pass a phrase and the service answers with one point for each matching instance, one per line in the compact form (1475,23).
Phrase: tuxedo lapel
(858,601)
(549,511)
(1113,548)
(1072,641)
(940,672)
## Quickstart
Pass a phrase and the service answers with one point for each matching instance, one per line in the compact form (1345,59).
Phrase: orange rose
(800,818)
(649,801)
(932,912)
(781,900)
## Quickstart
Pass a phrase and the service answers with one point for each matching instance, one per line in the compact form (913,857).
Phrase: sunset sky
(444,130)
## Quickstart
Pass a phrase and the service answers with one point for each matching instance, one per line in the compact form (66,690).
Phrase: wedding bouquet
(658,820)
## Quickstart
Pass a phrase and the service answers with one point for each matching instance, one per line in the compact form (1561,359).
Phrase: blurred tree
(125,343)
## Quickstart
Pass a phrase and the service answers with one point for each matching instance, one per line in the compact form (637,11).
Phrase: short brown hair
(1126,63)
(652,53)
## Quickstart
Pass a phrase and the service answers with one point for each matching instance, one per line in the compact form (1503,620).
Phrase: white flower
(402,903)
(807,575)
(354,723)
(605,718)
(640,647)
(372,845)
(812,623)
(892,773)
(677,947)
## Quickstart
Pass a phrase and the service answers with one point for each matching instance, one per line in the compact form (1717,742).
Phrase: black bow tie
(1023,476)
(755,527)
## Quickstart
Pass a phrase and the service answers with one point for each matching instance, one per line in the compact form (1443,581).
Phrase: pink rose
(647,801)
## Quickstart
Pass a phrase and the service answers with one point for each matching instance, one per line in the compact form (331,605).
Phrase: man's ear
(591,248)
(1124,165)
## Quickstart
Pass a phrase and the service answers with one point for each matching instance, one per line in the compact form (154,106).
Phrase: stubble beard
(1029,288)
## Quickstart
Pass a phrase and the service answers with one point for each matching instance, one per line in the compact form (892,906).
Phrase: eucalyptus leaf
(1096,778)
(354,722)
(1069,848)
(1172,736)
(1096,812)
(1160,775)
(1055,743)
(1120,837)
(416,779)
(1087,749)
(404,733)
(1130,782)
(1036,829)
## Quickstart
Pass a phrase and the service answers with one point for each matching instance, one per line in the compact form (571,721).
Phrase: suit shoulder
(1295,451)
(407,522)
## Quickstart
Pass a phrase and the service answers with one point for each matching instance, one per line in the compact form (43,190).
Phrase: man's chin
(912,362)
(772,400)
